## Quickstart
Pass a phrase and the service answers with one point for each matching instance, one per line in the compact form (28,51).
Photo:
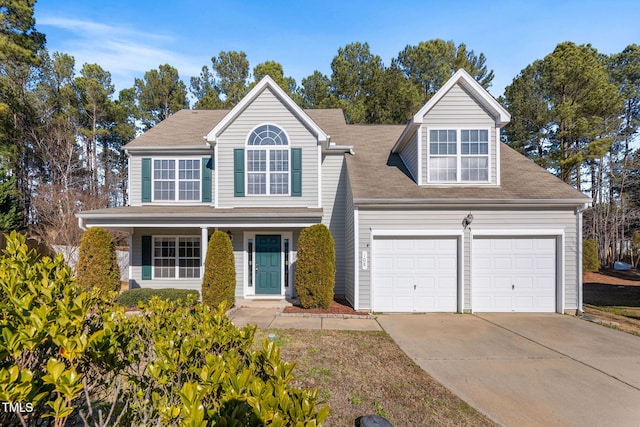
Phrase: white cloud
(125,52)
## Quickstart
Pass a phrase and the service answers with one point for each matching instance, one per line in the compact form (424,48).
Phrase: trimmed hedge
(131,297)
(590,260)
(219,281)
(97,262)
(315,275)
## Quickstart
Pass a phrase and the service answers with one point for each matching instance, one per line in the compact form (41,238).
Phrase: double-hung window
(176,257)
(458,155)
(176,180)
(268,161)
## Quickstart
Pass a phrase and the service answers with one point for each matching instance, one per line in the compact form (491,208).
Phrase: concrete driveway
(528,369)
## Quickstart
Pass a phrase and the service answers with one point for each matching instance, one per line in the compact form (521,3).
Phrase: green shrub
(590,260)
(194,367)
(81,361)
(49,342)
(315,274)
(97,262)
(133,297)
(219,281)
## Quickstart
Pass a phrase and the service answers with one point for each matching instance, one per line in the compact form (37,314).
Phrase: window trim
(176,180)
(268,172)
(176,239)
(459,154)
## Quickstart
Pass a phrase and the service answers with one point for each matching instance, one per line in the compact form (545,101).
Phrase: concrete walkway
(266,317)
(528,369)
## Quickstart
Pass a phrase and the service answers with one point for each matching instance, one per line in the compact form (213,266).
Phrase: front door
(268,265)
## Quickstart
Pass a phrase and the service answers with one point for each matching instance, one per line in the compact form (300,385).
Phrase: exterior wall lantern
(466,222)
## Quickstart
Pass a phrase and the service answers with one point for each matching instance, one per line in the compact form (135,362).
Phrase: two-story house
(437,215)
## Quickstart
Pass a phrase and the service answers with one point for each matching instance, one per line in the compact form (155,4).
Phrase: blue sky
(129,37)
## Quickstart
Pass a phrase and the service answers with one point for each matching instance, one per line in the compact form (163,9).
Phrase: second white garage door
(513,274)
(415,274)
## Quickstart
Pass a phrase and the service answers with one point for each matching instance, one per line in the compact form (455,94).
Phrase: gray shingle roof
(375,174)
(185,127)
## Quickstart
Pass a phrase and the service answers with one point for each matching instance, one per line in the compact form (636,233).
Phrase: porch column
(204,243)
(130,243)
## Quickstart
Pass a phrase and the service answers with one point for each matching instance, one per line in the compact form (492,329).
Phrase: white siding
(135,180)
(484,219)
(349,247)
(238,255)
(267,108)
(334,177)
(458,109)
(409,156)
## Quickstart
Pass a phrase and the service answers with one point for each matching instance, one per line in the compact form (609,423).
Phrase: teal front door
(268,265)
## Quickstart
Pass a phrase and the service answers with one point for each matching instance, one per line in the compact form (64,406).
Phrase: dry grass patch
(626,319)
(361,373)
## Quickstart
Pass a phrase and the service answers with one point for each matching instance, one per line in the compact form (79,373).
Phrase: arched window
(267,161)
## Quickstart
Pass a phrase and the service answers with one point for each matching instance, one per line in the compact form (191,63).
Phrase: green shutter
(146,180)
(238,172)
(146,258)
(207,166)
(296,172)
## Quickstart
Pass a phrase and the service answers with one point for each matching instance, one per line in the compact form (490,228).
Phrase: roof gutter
(81,223)
(339,149)
(169,149)
(204,216)
(467,202)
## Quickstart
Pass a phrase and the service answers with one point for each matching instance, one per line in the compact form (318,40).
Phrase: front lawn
(361,373)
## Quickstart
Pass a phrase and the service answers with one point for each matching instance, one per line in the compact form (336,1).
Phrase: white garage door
(514,274)
(415,274)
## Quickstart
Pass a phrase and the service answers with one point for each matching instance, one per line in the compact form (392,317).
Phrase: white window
(268,161)
(186,179)
(458,155)
(176,257)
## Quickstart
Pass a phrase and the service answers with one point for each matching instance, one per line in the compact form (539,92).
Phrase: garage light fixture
(467,221)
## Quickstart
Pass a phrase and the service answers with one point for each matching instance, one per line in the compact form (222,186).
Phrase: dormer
(454,139)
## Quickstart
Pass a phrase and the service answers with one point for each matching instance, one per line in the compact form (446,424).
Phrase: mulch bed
(336,307)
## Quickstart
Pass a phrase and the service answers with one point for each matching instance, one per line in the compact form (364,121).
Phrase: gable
(266,108)
(459,106)
(472,87)
(267,83)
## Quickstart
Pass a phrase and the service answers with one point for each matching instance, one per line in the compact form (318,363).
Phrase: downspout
(579,211)
(81,224)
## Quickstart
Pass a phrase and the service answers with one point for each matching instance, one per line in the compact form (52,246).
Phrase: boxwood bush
(219,281)
(97,261)
(132,297)
(315,275)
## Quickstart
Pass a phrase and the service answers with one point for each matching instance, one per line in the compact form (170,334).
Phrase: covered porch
(168,244)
